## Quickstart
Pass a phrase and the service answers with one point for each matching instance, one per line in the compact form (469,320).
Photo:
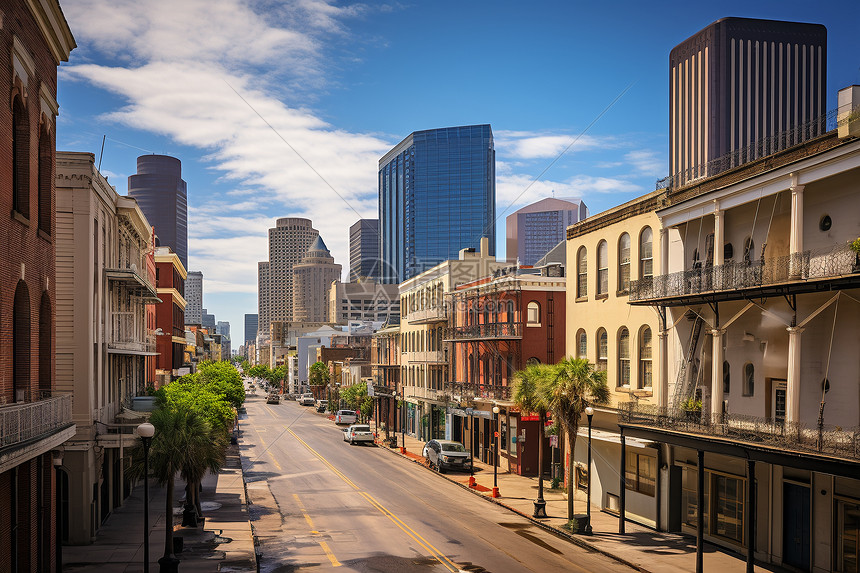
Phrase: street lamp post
(496,453)
(589,412)
(146,431)
(402,420)
(57,459)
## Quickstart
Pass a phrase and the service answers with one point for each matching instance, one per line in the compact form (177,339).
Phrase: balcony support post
(663,361)
(664,251)
(795,237)
(719,235)
(717,335)
(792,393)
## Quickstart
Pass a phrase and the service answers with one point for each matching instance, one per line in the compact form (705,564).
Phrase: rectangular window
(641,473)
(848,537)
(729,507)
(689,498)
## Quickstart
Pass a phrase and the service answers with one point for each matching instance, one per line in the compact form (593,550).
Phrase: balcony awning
(130,351)
(612,437)
(134,282)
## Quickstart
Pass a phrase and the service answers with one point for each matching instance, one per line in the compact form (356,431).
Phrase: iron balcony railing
(428,356)
(437,313)
(796,436)
(22,422)
(829,262)
(467,391)
(485,331)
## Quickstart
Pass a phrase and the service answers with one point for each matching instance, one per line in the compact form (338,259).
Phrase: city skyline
(320,63)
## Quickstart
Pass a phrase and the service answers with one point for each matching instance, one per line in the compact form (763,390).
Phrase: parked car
(307,399)
(445,454)
(345,417)
(358,434)
(273,398)
(321,405)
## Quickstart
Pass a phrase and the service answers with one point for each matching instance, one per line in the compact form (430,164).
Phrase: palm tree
(530,395)
(573,386)
(210,456)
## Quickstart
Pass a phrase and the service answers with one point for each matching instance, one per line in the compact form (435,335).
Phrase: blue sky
(280,108)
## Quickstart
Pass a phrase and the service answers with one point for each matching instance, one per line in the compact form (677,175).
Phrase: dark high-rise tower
(742,89)
(437,195)
(250,328)
(162,195)
(364,250)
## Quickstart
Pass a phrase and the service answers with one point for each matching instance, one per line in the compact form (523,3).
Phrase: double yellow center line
(435,553)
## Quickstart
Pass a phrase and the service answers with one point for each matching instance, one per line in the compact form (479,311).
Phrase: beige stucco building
(312,279)
(103,242)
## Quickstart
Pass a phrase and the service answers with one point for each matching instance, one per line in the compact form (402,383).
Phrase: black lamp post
(589,412)
(57,459)
(146,431)
(496,452)
(402,420)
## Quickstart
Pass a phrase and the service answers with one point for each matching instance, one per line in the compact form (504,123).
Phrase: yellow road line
(435,553)
(323,544)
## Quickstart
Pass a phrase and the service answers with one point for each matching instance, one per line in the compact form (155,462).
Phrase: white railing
(432,356)
(433,313)
(21,422)
(128,332)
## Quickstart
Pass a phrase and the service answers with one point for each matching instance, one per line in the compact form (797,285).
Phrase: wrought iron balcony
(813,265)
(32,420)
(427,315)
(831,440)
(428,357)
(485,331)
(128,334)
(468,391)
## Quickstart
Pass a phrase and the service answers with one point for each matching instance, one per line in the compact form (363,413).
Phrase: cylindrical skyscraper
(162,196)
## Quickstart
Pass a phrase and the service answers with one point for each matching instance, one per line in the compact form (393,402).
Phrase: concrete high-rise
(535,229)
(364,250)
(250,328)
(193,297)
(437,195)
(223,328)
(312,279)
(161,194)
(207,321)
(289,241)
(738,84)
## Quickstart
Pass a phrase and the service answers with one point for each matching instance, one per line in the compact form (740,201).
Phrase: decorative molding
(22,61)
(52,23)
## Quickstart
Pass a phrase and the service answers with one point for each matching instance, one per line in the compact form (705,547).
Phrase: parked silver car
(345,417)
(445,454)
(358,434)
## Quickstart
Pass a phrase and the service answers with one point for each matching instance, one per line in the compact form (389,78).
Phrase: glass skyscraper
(437,195)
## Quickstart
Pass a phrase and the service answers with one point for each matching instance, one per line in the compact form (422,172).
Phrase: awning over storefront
(613,437)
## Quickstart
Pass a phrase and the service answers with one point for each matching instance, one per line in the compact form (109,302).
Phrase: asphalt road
(318,503)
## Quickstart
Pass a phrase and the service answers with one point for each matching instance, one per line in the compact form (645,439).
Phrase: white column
(717,374)
(719,236)
(664,251)
(795,237)
(662,368)
(792,395)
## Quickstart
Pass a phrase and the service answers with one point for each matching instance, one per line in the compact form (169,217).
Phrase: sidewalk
(640,547)
(224,543)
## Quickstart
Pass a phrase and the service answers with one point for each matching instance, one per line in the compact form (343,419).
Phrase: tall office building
(437,195)
(312,279)
(364,250)
(535,229)
(193,297)
(162,195)
(289,241)
(207,321)
(737,84)
(250,328)
(223,328)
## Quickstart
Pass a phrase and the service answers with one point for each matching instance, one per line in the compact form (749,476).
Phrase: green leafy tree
(223,379)
(530,395)
(355,396)
(259,371)
(318,374)
(572,386)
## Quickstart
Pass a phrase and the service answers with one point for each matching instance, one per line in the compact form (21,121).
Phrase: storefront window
(729,510)
(641,473)
(848,537)
(689,499)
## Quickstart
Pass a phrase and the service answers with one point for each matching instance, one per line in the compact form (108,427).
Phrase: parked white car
(307,399)
(358,434)
(345,417)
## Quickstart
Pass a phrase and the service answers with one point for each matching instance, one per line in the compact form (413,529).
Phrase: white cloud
(536,145)
(647,162)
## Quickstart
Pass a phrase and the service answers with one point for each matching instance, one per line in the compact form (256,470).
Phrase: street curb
(548,528)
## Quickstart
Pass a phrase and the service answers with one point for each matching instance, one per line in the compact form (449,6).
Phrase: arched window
(602,349)
(602,268)
(45,164)
(533,361)
(623,357)
(45,344)
(624,263)
(726,377)
(581,344)
(749,379)
(20,158)
(646,254)
(581,273)
(533,313)
(645,371)
(21,342)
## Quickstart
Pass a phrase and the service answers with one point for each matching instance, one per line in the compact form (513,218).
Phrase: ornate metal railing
(21,422)
(466,391)
(434,313)
(485,331)
(821,263)
(428,356)
(796,436)
(810,129)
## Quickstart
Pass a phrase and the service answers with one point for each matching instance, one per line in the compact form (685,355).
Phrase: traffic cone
(472,481)
(496,492)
